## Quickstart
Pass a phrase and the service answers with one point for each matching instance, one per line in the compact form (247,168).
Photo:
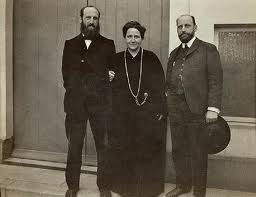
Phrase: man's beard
(89,33)
(187,38)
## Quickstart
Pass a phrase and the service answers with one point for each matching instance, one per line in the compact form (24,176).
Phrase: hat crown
(216,136)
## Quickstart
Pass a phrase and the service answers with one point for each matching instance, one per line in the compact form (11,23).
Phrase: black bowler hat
(216,136)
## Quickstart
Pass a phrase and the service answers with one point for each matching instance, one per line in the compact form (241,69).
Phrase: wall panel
(133,9)
(121,19)
(155,26)
(26,73)
(144,18)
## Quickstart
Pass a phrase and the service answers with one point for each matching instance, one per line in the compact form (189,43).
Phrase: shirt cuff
(214,109)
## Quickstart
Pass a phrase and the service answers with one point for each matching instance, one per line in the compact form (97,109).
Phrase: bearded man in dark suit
(88,97)
(194,87)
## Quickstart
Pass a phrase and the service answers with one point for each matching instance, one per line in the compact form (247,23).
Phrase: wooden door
(40,29)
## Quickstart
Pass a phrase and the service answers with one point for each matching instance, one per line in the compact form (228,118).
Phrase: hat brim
(216,136)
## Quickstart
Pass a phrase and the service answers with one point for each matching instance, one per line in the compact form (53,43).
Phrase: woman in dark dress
(138,137)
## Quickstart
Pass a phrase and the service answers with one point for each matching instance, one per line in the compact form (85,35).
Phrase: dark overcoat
(138,138)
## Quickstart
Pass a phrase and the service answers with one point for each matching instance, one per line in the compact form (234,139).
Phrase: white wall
(207,13)
(177,8)
(210,12)
(6,81)
(2,70)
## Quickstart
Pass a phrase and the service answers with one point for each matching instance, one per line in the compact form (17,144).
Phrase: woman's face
(133,39)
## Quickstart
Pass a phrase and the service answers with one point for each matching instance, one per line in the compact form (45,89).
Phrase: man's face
(185,28)
(90,22)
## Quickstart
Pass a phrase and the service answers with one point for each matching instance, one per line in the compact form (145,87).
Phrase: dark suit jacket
(202,76)
(77,62)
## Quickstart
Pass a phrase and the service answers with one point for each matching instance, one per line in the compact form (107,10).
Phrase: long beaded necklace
(129,84)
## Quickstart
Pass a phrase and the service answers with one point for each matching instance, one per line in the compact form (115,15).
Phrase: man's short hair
(89,6)
(193,18)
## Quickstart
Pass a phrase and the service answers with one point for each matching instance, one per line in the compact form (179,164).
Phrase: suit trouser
(76,131)
(189,156)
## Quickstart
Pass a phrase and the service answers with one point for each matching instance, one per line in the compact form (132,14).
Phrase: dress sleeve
(112,52)
(158,85)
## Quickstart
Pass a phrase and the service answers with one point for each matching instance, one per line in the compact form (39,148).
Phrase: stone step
(21,181)
(46,165)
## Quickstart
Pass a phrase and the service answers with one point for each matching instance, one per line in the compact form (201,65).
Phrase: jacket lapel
(95,42)
(80,42)
(171,61)
(174,54)
(193,47)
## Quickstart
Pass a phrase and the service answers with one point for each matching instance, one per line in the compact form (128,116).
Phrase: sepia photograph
(127,98)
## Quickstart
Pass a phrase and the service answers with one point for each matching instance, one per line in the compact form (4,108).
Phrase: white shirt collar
(189,44)
(87,42)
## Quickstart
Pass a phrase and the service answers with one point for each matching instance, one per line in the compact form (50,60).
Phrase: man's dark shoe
(177,192)
(105,193)
(203,194)
(199,195)
(71,193)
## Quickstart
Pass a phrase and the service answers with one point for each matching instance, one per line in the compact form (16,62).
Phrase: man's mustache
(92,25)
(184,34)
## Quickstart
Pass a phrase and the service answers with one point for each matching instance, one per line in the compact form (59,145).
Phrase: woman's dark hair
(136,25)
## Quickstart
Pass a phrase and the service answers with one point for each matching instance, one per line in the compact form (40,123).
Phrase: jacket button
(82,60)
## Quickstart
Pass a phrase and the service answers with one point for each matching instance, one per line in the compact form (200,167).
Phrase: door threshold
(86,169)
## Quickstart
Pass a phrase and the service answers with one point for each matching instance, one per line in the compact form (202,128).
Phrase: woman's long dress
(137,137)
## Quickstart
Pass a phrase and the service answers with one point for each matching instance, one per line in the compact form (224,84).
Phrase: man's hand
(211,116)
(111,75)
